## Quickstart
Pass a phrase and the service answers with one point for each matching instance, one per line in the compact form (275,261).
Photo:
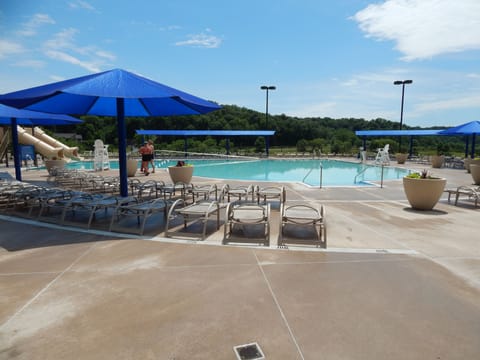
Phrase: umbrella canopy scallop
(116,93)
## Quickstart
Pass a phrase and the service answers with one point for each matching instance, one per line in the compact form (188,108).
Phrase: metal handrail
(359,173)
(321,174)
(365,169)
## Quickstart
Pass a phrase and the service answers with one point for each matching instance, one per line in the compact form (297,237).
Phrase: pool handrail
(321,174)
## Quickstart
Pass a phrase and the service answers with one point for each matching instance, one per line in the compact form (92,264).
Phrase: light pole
(267,88)
(403,83)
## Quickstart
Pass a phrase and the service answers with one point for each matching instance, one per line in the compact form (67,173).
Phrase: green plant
(421,175)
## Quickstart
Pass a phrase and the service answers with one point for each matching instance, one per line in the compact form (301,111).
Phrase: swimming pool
(334,172)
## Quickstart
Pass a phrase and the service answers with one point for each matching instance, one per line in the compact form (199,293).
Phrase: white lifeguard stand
(383,158)
(101,160)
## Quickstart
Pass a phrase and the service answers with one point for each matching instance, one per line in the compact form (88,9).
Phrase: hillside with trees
(291,133)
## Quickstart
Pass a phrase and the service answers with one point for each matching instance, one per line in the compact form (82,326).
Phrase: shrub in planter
(422,190)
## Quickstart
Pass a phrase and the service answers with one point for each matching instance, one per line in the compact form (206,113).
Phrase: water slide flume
(45,145)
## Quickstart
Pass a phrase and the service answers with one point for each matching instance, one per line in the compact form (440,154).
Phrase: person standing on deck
(146,156)
(152,154)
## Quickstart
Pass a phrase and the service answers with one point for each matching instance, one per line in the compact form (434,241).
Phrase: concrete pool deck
(393,284)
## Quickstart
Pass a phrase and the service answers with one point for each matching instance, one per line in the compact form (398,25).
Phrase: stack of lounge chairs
(184,210)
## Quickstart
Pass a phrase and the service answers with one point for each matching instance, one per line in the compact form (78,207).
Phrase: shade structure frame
(99,94)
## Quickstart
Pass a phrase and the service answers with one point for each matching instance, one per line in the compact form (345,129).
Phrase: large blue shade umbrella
(13,117)
(470,128)
(111,93)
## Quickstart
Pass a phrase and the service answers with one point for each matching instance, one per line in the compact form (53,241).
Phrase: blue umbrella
(13,117)
(111,93)
(470,128)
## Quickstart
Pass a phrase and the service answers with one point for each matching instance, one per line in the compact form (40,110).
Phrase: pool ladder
(359,173)
(365,169)
(321,174)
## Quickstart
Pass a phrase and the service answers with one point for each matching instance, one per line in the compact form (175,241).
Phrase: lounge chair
(139,210)
(205,191)
(93,203)
(303,215)
(240,191)
(271,192)
(55,201)
(469,191)
(148,190)
(200,210)
(247,223)
(171,190)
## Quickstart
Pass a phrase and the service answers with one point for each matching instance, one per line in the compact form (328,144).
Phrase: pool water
(334,173)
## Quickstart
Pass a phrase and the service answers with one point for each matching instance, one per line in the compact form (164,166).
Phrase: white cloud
(62,46)
(201,40)
(8,48)
(37,64)
(30,28)
(461,102)
(424,28)
(79,4)
(63,39)
(62,56)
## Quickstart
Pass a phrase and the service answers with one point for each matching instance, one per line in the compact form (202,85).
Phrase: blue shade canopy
(30,118)
(472,127)
(397,132)
(207,132)
(111,93)
(13,117)
(96,95)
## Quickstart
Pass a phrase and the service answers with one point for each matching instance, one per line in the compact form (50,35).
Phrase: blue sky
(327,58)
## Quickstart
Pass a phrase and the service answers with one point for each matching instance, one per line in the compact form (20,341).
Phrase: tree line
(309,134)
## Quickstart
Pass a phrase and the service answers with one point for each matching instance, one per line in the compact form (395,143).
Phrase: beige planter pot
(132,165)
(470,161)
(423,194)
(437,161)
(182,174)
(401,158)
(475,171)
(59,164)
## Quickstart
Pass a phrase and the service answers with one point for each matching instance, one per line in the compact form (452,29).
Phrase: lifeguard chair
(101,159)
(383,158)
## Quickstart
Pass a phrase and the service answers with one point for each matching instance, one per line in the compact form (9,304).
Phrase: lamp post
(267,88)
(403,83)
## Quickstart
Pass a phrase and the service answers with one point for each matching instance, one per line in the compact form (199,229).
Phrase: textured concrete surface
(393,284)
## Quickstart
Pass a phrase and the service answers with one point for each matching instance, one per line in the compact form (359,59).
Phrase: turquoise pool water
(334,173)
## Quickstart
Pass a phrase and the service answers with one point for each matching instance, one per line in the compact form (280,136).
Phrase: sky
(334,59)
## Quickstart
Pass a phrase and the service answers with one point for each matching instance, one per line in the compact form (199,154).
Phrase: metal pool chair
(300,216)
(139,210)
(240,191)
(204,190)
(200,210)
(93,203)
(247,223)
(471,192)
(172,190)
(271,192)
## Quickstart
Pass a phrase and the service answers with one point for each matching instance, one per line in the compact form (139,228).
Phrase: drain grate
(249,352)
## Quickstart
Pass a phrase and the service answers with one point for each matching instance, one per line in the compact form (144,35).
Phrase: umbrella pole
(122,147)
(16,158)
(472,155)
